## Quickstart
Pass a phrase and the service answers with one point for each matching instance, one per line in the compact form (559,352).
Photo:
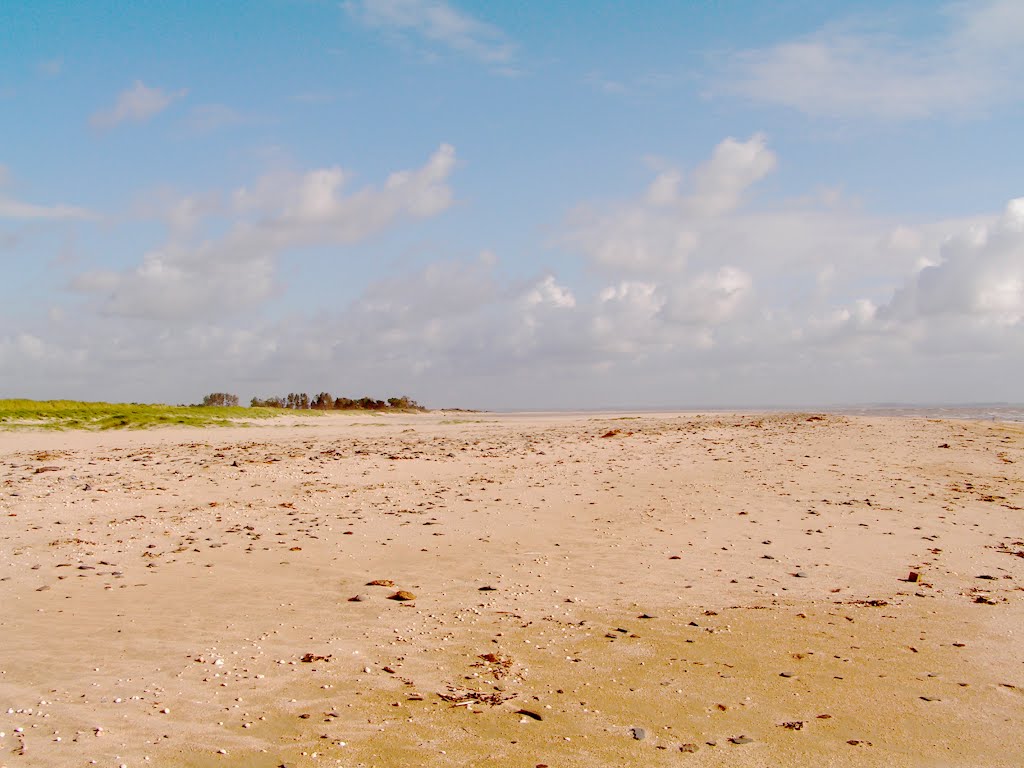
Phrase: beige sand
(159,591)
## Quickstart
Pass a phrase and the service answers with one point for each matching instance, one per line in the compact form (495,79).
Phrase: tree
(270,402)
(404,403)
(220,399)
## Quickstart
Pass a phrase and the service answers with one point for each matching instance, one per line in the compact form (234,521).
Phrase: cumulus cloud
(549,293)
(848,71)
(136,104)
(435,21)
(217,276)
(299,209)
(979,275)
(699,270)
(661,232)
(734,167)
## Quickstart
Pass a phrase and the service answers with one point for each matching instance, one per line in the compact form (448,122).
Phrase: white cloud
(979,275)
(711,298)
(311,208)
(664,230)
(850,72)
(734,167)
(437,22)
(15,209)
(218,276)
(549,293)
(136,104)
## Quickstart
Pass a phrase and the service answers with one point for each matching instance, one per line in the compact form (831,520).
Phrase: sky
(529,205)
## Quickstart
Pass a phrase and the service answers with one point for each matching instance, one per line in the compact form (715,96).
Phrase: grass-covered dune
(71,414)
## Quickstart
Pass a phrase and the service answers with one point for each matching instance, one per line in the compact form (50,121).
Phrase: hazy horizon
(514,206)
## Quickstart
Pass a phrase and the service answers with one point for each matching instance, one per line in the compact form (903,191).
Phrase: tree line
(300,401)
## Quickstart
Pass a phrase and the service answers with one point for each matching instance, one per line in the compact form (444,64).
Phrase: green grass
(71,414)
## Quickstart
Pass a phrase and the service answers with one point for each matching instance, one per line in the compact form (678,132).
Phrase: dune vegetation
(72,414)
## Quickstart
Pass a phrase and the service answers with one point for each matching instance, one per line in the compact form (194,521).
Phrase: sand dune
(662,590)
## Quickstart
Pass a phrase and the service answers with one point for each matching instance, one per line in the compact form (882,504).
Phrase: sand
(657,590)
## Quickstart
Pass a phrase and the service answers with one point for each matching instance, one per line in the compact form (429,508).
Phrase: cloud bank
(697,294)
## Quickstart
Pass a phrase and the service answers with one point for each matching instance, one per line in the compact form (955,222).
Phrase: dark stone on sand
(639,733)
(402,595)
(740,740)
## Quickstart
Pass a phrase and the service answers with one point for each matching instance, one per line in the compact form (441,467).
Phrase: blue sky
(517,205)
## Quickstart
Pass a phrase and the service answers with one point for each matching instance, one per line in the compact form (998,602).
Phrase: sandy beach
(554,590)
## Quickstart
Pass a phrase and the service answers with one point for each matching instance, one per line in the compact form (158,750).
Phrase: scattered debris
(309,658)
(459,696)
(498,665)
